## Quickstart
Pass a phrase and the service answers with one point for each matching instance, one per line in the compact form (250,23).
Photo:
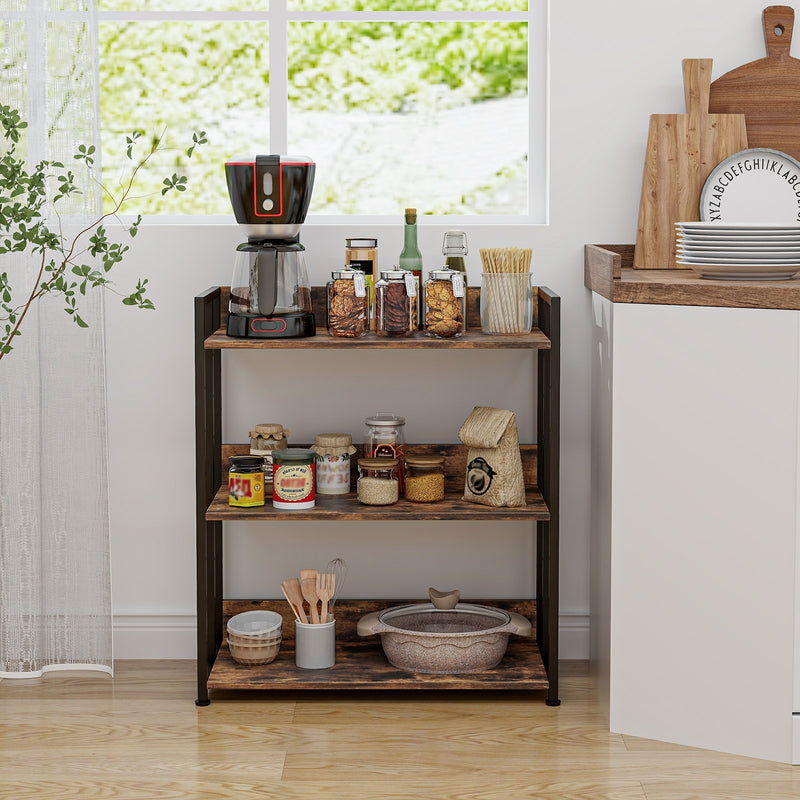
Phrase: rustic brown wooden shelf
(471,340)
(347,507)
(529,664)
(361,663)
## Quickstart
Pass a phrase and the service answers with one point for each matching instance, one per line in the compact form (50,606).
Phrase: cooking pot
(423,638)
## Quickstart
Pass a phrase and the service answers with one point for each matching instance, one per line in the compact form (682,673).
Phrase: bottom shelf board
(363,665)
(361,662)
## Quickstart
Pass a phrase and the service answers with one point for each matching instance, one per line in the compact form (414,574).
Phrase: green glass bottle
(410,257)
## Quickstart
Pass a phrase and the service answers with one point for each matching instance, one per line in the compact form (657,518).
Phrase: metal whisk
(339,568)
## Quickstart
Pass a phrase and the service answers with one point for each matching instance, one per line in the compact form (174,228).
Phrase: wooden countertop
(608,270)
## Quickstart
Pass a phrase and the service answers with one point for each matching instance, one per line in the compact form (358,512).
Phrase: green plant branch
(24,226)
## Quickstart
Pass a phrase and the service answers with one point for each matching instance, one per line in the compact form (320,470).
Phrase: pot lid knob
(444,600)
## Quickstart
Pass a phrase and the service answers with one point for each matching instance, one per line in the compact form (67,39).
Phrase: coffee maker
(270,291)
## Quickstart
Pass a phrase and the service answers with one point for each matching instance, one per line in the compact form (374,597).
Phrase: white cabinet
(695,565)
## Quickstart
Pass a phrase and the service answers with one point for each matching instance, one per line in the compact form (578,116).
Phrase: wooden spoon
(326,586)
(294,594)
(309,586)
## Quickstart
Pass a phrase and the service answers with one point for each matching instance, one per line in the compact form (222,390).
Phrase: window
(441,105)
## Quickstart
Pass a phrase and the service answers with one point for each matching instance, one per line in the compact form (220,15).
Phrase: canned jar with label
(445,303)
(246,481)
(333,462)
(293,479)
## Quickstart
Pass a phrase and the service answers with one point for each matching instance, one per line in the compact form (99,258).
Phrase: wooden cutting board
(682,149)
(766,91)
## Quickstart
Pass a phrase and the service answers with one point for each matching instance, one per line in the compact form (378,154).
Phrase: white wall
(612,64)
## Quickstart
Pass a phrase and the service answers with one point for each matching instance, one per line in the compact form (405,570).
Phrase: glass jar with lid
(348,303)
(445,303)
(378,483)
(424,481)
(396,303)
(333,462)
(384,437)
(363,254)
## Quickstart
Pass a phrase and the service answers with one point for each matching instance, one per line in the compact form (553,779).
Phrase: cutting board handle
(696,84)
(778,24)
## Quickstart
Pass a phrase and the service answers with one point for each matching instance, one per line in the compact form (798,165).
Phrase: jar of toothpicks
(506,290)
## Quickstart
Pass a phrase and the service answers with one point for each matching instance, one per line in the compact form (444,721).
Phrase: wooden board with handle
(682,149)
(766,91)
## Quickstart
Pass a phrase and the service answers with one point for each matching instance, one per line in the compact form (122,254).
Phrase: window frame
(279,16)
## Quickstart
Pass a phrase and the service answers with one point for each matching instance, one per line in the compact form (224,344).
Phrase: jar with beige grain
(424,481)
(377,481)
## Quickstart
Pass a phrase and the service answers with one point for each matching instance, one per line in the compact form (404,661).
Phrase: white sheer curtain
(55,581)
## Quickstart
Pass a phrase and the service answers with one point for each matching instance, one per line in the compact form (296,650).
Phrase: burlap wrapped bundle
(494,465)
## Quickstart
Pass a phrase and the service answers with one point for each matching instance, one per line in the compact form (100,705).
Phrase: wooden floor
(84,735)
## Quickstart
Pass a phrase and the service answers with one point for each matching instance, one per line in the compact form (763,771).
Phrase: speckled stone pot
(423,638)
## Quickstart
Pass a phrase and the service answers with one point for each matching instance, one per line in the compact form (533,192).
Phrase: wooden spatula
(295,600)
(309,587)
(682,149)
(294,594)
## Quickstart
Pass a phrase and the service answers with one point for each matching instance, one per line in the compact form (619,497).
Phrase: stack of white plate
(739,251)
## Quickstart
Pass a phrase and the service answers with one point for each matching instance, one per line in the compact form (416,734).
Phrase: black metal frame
(548,438)
(208,450)
(208,453)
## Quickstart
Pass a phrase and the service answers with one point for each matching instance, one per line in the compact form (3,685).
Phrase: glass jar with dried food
(396,303)
(424,482)
(333,462)
(377,481)
(445,304)
(348,303)
(385,437)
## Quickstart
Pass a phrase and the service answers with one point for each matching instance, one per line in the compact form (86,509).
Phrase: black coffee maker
(270,291)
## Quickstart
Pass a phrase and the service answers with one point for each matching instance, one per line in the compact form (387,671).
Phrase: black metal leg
(548,449)
(208,477)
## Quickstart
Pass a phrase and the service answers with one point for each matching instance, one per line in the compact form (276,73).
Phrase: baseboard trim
(173,636)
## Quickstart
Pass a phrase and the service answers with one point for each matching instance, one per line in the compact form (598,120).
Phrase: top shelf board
(471,340)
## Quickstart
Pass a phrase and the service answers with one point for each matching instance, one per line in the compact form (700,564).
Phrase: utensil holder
(506,302)
(315,645)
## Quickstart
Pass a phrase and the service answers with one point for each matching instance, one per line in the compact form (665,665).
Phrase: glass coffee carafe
(270,291)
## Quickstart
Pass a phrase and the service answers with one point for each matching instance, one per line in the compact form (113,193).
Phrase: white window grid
(537,16)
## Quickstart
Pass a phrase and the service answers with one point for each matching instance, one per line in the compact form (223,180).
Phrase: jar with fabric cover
(268,436)
(333,451)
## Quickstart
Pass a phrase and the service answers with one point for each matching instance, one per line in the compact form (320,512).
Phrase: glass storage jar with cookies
(396,303)
(348,303)
(445,303)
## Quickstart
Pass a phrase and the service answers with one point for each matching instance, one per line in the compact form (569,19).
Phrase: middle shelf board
(347,507)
